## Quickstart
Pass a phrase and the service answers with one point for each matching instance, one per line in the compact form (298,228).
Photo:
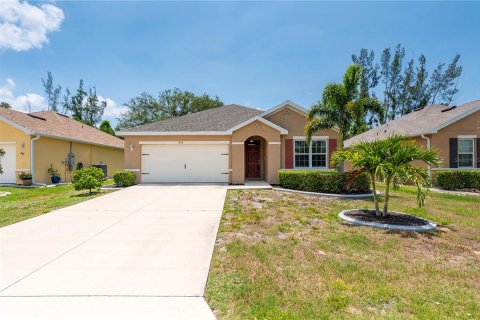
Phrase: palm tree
(340,107)
(364,157)
(397,166)
(392,160)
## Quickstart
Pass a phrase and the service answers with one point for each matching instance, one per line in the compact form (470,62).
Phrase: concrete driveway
(142,252)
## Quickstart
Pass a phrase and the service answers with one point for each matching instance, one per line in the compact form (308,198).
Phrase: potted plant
(55,174)
(26,178)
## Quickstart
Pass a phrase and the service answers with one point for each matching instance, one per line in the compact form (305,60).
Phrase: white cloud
(21,102)
(113,110)
(24,26)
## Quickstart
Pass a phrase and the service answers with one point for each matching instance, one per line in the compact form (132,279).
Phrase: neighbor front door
(253,160)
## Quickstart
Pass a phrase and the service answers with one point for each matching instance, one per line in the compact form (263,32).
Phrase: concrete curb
(428,227)
(456,193)
(334,195)
(4,193)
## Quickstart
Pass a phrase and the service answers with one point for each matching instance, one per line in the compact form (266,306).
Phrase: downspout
(429,145)
(32,157)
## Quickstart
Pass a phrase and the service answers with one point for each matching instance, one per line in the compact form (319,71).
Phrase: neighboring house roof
(217,120)
(427,120)
(54,125)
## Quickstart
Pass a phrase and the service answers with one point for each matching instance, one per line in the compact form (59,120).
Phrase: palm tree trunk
(341,168)
(375,199)
(387,194)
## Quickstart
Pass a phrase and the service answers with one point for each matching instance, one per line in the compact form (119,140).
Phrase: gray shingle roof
(216,119)
(424,121)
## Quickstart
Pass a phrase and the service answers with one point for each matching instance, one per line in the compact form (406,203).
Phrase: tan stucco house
(34,141)
(228,144)
(453,130)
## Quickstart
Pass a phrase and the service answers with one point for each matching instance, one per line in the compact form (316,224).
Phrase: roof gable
(287,103)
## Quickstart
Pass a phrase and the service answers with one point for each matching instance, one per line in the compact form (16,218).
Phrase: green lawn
(288,256)
(25,203)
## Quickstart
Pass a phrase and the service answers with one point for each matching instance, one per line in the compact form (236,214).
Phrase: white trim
(76,140)
(453,169)
(274,143)
(472,153)
(7,142)
(238,142)
(133,170)
(183,142)
(310,156)
(15,125)
(174,133)
(472,136)
(259,118)
(457,118)
(296,107)
(22,170)
(313,137)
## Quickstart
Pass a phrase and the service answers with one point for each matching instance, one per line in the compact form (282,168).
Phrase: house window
(311,156)
(465,153)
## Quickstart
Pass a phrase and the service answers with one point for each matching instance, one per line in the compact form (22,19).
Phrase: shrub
(124,178)
(458,179)
(88,178)
(328,181)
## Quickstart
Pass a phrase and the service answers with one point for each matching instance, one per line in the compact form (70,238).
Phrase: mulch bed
(392,218)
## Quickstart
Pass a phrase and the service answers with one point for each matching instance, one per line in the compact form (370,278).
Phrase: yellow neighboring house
(34,141)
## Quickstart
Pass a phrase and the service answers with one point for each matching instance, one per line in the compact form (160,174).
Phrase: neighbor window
(311,156)
(465,153)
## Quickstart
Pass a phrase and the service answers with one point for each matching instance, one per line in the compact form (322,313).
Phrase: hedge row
(458,179)
(326,181)
(124,178)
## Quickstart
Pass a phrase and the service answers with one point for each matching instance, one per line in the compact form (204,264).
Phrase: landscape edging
(321,194)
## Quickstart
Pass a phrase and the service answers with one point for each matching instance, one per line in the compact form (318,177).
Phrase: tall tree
(106,127)
(52,92)
(341,107)
(170,103)
(406,86)
(5,105)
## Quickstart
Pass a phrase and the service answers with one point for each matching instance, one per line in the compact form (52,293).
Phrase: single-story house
(227,144)
(34,141)
(453,130)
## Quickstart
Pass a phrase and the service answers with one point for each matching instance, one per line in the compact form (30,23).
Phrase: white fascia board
(173,133)
(313,137)
(183,142)
(457,118)
(15,125)
(295,106)
(75,140)
(261,119)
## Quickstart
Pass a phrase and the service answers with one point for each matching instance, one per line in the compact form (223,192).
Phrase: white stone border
(4,193)
(334,195)
(428,227)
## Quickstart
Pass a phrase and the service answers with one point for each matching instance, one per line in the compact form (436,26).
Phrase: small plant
(26,178)
(124,178)
(88,179)
(53,172)
(2,153)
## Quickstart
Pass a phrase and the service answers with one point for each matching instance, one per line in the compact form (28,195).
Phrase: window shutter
(288,154)
(332,146)
(453,153)
(478,152)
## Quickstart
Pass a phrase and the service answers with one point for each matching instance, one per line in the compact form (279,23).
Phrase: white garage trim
(1,142)
(184,142)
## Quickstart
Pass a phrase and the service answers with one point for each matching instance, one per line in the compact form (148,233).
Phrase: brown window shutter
(332,146)
(478,152)
(288,154)
(453,153)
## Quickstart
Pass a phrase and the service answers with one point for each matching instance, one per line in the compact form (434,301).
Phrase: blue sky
(255,54)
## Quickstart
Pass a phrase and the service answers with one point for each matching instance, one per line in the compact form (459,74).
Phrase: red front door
(253,160)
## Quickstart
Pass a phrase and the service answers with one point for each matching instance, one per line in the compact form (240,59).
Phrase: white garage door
(9,163)
(185,163)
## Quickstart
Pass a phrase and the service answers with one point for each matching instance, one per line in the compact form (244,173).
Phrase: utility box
(103,167)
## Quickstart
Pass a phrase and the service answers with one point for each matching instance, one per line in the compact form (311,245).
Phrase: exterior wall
(294,122)
(467,126)
(54,151)
(133,150)
(22,144)
(272,148)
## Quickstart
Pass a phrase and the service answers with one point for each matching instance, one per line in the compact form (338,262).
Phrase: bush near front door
(458,179)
